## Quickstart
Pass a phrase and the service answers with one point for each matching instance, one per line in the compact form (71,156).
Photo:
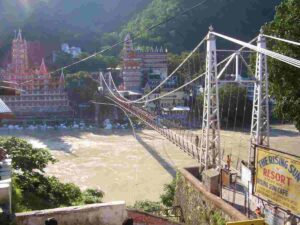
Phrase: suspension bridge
(207,151)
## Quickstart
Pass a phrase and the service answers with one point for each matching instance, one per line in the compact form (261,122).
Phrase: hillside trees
(285,79)
(94,64)
(241,19)
(81,90)
(80,22)
(81,87)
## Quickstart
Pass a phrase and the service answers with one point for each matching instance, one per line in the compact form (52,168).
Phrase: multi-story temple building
(138,64)
(42,96)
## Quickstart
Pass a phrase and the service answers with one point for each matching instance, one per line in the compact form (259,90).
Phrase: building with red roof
(42,95)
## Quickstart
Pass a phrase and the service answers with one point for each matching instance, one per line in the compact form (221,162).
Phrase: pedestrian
(258,212)
(228,162)
(197,141)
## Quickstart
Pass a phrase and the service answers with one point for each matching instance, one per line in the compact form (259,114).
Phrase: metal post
(260,113)
(100,79)
(210,144)
(237,66)
(109,80)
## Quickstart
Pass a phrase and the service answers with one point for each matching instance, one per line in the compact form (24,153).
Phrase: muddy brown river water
(131,169)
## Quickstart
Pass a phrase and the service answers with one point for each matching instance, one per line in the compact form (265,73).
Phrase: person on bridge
(197,141)
(258,212)
(228,162)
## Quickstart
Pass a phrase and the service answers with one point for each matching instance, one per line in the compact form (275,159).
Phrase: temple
(42,96)
(139,64)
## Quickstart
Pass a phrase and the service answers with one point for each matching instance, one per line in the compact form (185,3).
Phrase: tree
(24,156)
(285,79)
(81,87)
(32,190)
(186,30)
(62,59)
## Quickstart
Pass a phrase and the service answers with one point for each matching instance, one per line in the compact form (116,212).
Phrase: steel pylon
(210,154)
(260,126)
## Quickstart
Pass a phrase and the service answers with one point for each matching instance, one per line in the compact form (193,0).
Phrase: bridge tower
(260,112)
(210,153)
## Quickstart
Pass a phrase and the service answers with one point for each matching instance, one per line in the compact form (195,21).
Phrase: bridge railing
(149,119)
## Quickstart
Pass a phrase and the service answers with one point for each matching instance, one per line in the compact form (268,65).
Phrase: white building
(5,182)
(65,48)
(74,51)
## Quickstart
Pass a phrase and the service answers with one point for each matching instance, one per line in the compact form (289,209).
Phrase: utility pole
(260,113)
(210,153)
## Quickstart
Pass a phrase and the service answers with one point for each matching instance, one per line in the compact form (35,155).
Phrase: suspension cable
(282,39)
(229,105)
(246,64)
(167,78)
(236,109)
(168,93)
(164,95)
(137,101)
(275,55)
(164,81)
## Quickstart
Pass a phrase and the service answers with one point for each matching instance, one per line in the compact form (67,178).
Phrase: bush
(24,156)
(91,196)
(161,207)
(167,197)
(148,206)
(36,191)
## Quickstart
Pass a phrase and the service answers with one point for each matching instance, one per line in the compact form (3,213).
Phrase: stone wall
(198,205)
(113,213)
(143,218)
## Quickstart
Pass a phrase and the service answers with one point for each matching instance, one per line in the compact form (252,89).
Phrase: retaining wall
(200,206)
(113,213)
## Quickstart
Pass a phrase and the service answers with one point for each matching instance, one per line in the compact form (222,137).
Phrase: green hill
(81,22)
(91,23)
(238,18)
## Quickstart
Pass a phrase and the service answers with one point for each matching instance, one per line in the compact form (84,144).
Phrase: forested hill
(80,21)
(90,23)
(238,18)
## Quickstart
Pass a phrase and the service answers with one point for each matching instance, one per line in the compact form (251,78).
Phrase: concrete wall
(113,213)
(143,218)
(200,206)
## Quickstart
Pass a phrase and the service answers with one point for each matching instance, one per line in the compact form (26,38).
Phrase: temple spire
(43,69)
(19,36)
(19,63)
(128,44)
